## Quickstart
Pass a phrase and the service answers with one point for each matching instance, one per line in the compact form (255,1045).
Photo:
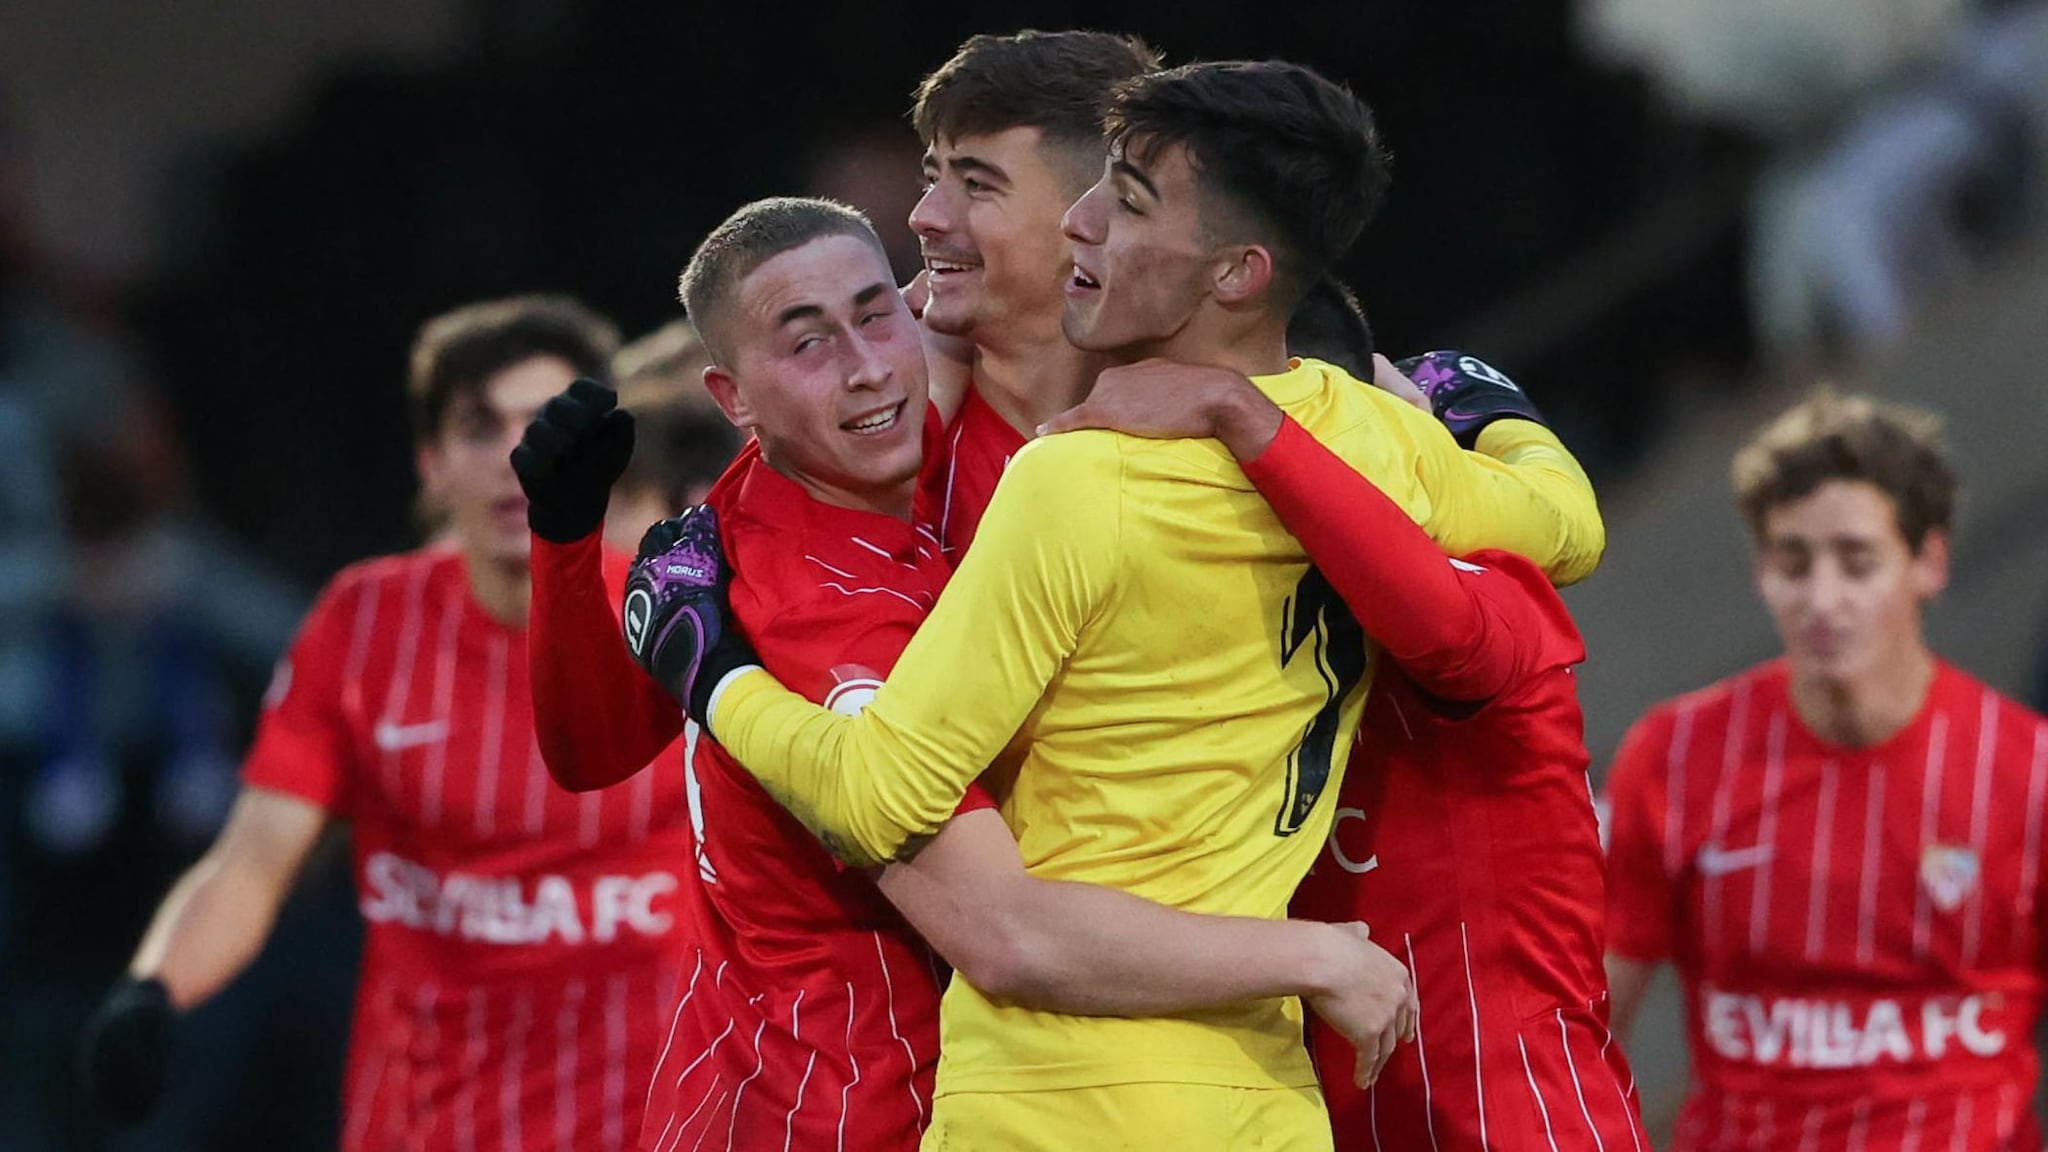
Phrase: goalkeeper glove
(126,1055)
(569,458)
(677,618)
(1467,393)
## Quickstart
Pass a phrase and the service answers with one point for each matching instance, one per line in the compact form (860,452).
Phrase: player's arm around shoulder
(871,785)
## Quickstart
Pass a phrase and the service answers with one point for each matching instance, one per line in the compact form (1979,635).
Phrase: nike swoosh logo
(398,737)
(1718,862)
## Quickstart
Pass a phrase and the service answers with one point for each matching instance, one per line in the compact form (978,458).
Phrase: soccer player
(1182,685)
(522,941)
(1465,831)
(1840,849)
(1013,135)
(809,990)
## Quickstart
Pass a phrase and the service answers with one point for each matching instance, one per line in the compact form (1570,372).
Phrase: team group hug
(1089,698)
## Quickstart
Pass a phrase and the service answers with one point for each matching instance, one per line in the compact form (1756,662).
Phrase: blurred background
(220,225)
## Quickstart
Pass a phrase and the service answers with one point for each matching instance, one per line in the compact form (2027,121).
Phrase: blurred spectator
(681,442)
(1903,129)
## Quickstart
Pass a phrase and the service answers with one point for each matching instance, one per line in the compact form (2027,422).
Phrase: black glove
(569,458)
(126,1054)
(1467,393)
(677,620)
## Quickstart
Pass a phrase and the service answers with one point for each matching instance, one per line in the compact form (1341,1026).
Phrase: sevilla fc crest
(1949,873)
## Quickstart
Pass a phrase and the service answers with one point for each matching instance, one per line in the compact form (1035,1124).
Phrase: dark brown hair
(457,353)
(1275,148)
(1056,82)
(1831,436)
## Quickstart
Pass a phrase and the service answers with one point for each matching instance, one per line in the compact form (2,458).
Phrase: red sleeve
(1455,641)
(598,717)
(1639,907)
(303,744)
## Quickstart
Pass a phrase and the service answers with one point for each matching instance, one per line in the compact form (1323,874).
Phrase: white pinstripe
(2008,1107)
(1767,831)
(472,1064)
(1635,1134)
(708,1121)
(491,752)
(878,550)
(706,1054)
(834,584)
(1372,1101)
(1859,1128)
(1724,786)
(1564,1040)
(536,790)
(852,1059)
(1765,1129)
(422,1100)
(513,1137)
(566,1023)
(400,691)
(1675,759)
(732,1125)
(444,699)
(840,572)
(796,1033)
(1873,829)
(593,817)
(1472,997)
(1930,823)
(367,607)
(1823,836)
(2030,865)
(909,1056)
(615,1063)
(1809,1130)
(1980,792)
(684,1124)
(1537,1093)
(1916,1115)
(952,469)
(642,815)
(1421,1052)
(1959,1136)
(675,1025)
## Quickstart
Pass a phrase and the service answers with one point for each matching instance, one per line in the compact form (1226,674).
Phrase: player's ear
(1243,274)
(726,393)
(1929,566)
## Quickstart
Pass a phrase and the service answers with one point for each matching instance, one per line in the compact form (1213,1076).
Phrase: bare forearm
(1628,982)
(1086,950)
(210,926)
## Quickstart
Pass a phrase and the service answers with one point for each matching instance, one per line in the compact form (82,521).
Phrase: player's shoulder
(2018,726)
(376,574)
(1707,708)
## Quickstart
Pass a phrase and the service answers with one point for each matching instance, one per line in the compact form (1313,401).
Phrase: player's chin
(950,313)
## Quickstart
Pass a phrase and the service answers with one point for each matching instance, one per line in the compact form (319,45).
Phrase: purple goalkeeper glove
(1467,393)
(677,620)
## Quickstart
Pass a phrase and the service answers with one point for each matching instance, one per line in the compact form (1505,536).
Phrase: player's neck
(893,501)
(502,588)
(1866,711)
(1029,381)
(1251,347)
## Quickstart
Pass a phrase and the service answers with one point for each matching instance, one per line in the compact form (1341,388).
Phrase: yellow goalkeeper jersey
(1184,688)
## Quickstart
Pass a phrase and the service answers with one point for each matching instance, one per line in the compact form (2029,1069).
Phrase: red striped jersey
(809,1014)
(522,941)
(963,461)
(1858,930)
(1467,840)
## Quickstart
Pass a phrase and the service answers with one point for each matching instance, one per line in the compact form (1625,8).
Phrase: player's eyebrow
(1132,172)
(867,295)
(798,312)
(976,166)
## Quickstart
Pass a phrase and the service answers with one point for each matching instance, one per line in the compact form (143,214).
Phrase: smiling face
(1141,260)
(989,227)
(1842,584)
(826,367)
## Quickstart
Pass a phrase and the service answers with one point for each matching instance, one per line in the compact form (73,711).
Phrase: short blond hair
(1836,436)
